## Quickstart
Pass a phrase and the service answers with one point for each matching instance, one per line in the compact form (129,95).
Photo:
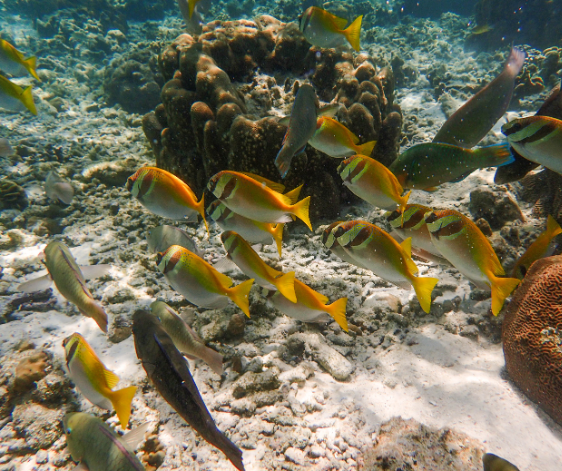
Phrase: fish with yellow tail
(243,255)
(386,258)
(13,62)
(184,338)
(373,182)
(258,198)
(322,29)
(199,282)
(335,140)
(164,194)
(462,243)
(254,232)
(311,306)
(15,98)
(94,380)
(331,243)
(537,249)
(493,462)
(70,280)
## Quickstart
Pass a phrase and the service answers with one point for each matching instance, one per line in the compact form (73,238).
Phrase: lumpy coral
(12,196)
(216,105)
(532,336)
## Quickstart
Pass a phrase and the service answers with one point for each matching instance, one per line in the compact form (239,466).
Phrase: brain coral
(532,336)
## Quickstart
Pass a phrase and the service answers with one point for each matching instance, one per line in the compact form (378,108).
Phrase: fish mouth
(430,217)
(511,128)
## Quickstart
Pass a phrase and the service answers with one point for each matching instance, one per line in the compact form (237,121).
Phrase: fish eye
(431,217)
(68,430)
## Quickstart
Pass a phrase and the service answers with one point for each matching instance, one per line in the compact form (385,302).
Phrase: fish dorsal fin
(194,334)
(406,244)
(340,23)
(309,291)
(278,187)
(110,378)
(38,284)
(133,438)
(293,195)
(94,271)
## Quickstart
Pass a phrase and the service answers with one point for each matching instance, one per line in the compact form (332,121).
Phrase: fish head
(514,126)
(352,168)
(304,19)
(328,237)
(230,240)
(223,185)
(217,211)
(140,183)
(169,258)
(352,233)
(71,343)
(73,431)
(446,224)
(394,218)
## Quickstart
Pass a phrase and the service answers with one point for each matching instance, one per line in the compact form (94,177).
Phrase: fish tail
(201,211)
(301,210)
(277,235)
(191,5)
(285,283)
(283,160)
(31,65)
(403,204)
(424,288)
(293,195)
(494,156)
(353,32)
(501,289)
(121,401)
(27,99)
(240,295)
(367,148)
(337,311)
(232,452)
(96,312)
(552,227)
(214,360)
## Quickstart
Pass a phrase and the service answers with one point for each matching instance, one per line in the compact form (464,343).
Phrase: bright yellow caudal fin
(337,311)
(300,210)
(30,65)
(27,99)
(552,227)
(201,210)
(501,289)
(240,295)
(424,288)
(403,203)
(367,148)
(353,32)
(286,285)
(277,234)
(293,195)
(121,401)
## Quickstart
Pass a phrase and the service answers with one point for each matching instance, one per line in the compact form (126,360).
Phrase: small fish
(5,148)
(241,253)
(473,120)
(322,29)
(199,282)
(462,243)
(98,448)
(12,96)
(12,61)
(537,249)
(380,253)
(161,237)
(58,189)
(426,166)
(335,140)
(481,29)
(94,380)
(168,371)
(164,194)
(538,139)
(254,232)
(331,243)
(311,305)
(372,182)
(410,223)
(184,338)
(259,199)
(69,278)
(492,462)
(302,126)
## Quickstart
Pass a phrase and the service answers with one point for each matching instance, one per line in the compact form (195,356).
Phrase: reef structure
(219,92)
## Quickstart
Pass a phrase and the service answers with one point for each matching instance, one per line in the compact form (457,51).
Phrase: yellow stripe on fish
(94,380)
(12,60)
(462,243)
(335,140)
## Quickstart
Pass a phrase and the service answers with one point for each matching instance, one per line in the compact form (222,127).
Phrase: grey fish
(57,188)
(161,237)
(168,371)
(302,126)
(5,148)
(492,462)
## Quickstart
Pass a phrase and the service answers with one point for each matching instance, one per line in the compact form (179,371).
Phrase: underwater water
(271,235)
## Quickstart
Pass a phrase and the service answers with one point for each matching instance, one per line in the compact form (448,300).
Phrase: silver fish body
(5,148)
(161,237)
(58,189)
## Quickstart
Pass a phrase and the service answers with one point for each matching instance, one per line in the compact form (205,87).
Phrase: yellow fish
(334,139)
(12,96)
(331,243)
(12,61)
(537,249)
(492,462)
(94,380)
(199,282)
(461,242)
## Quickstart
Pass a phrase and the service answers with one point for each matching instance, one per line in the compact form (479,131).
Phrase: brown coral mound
(532,336)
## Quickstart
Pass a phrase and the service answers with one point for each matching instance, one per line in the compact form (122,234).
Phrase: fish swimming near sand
(97,447)
(335,140)
(199,282)
(426,166)
(168,371)
(69,278)
(377,250)
(538,249)
(473,120)
(58,189)
(259,199)
(94,380)
(462,243)
(161,237)
(331,243)
(5,148)
(322,29)
(13,62)
(493,462)
(302,126)
(15,98)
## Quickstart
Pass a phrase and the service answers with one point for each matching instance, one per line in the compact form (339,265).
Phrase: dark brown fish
(168,371)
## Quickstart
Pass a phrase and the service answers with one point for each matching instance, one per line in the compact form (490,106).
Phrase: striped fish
(462,243)
(538,139)
(335,140)
(331,243)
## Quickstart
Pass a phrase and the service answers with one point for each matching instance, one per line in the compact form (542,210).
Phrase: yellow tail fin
(286,285)
(293,195)
(501,289)
(424,288)
(301,209)
(277,234)
(552,227)
(353,32)
(27,99)
(96,312)
(121,401)
(367,148)
(240,295)
(201,210)
(337,311)
(31,64)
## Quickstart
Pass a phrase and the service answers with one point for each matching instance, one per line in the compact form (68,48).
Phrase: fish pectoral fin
(111,378)
(133,438)
(38,284)
(278,187)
